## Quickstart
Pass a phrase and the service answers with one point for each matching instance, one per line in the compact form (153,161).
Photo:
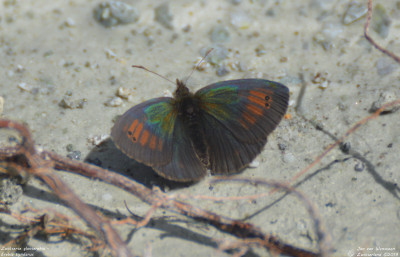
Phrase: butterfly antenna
(198,64)
(161,76)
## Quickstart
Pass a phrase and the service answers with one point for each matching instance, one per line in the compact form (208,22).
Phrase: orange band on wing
(136,134)
(144,137)
(132,128)
(160,144)
(131,131)
(262,98)
(248,119)
(254,109)
(153,142)
(257,100)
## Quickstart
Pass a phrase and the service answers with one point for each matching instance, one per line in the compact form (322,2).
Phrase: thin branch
(371,40)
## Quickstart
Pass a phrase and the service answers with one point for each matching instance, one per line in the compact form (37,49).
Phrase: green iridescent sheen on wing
(161,117)
(218,101)
(224,94)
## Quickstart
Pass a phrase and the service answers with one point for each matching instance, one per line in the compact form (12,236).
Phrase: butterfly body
(222,127)
(189,112)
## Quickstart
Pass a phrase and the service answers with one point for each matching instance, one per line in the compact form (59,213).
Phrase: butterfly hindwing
(227,155)
(145,132)
(185,164)
(238,115)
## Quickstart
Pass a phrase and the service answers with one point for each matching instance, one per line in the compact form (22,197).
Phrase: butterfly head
(181,90)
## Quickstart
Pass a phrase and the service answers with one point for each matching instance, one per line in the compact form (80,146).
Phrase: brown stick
(235,227)
(41,168)
(371,40)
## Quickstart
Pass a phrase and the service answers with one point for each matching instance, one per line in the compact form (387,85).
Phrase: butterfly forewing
(250,108)
(145,132)
(237,117)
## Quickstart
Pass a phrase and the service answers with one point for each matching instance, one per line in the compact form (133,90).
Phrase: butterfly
(222,128)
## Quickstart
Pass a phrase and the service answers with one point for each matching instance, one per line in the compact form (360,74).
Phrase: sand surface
(55,50)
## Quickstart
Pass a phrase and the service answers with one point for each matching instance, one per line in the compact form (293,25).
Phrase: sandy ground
(55,50)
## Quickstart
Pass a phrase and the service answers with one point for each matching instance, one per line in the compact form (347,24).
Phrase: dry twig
(40,165)
(371,40)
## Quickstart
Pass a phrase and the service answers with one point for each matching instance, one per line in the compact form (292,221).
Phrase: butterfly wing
(153,134)
(145,132)
(238,115)
(185,164)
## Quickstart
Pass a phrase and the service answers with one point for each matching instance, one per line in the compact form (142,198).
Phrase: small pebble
(10,191)
(163,16)
(114,102)
(354,12)
(201,66)
(320,39)
(222,71)
(345,147)
(70,147)
(254,164)
(384,98)
(219,34)
(97,140)
(237,66)
(115,13)
(215,57)
(65,63)
(113,80)
(25,87)
(110,54)
(43,89)
(68,103)
(69,22)
(168,93)
(187,28)
(321,79)
(260,50)
(20,68)
(270,12)
(288,157)
(330,204)
(323,85)
(282,146)
(359,166)
(48,53)
(240,20)
(327,35)
(124,93)
(342,107)
(74,155)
